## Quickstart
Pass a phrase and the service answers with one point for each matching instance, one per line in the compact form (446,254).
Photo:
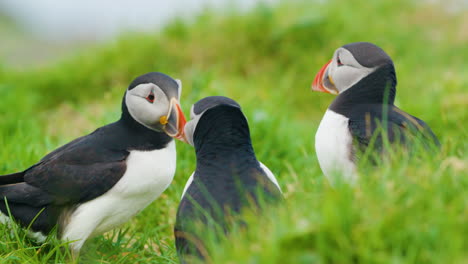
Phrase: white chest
(333,143)
(148,174)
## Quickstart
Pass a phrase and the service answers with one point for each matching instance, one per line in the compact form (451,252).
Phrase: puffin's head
(199,108)
(152,100)
(350,64)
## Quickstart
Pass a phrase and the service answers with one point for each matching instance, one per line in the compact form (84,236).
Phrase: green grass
(409,210)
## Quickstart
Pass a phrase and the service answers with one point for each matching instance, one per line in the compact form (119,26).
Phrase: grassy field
(408,210)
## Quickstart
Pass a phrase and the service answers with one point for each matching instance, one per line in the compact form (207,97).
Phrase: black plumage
(228,178)
(363,117)
(76,172)
(369,106)
(81,170)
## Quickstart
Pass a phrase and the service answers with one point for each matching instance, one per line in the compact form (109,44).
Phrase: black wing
(79,171)
(375,123)
(74,173)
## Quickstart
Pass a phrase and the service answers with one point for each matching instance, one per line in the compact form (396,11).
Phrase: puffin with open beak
(99,181)
(363,77)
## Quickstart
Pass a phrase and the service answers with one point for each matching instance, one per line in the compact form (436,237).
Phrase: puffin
(99,181)
(228,177)
(363,115)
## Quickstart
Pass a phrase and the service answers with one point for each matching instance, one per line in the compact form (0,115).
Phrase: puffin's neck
(379,87)
(223,133)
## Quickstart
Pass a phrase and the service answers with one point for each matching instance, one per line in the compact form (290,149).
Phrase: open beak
(174,122)
(323,82)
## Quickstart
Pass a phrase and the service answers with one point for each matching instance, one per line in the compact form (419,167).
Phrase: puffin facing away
(97,182)
(227,178)
(363,77)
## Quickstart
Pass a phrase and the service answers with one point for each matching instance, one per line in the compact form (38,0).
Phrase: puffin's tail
(27,204)
(7,182)
(25,215)
(12,178)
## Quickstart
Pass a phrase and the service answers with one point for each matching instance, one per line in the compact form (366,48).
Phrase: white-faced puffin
(227,178)
(363,76)
(99,181)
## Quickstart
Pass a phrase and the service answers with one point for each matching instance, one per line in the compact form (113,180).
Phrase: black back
(369,106)
(379,87)
(373,124)
(228,177)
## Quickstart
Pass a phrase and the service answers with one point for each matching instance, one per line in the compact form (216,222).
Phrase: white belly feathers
(333,143)
(148,174)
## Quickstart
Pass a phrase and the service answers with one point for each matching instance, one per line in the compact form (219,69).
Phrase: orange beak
(174,122)
(318,85)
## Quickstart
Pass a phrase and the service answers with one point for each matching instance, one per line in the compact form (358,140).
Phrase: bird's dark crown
(212,101)
(168,85)
(368,54)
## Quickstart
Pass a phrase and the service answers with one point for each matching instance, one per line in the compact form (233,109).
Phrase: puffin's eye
(338,61)
(150,97)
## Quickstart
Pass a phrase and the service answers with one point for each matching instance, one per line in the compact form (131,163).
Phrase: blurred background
(36,32)
(101,45)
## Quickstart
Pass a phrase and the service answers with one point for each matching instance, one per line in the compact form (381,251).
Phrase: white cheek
(179,89)
(345,77)
(192,113)
(189,129)
(138,110)
(144,112)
